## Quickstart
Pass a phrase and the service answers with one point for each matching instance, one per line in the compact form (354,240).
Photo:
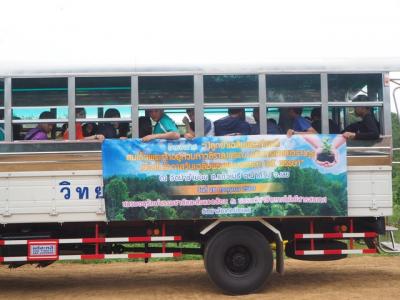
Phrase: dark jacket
(107,130)
(366,129)
(333,127)
(229,125)
(272,128)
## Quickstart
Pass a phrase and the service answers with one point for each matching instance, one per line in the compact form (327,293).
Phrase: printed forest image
(223,177)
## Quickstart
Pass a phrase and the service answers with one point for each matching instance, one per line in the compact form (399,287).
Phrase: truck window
(230,88)
(106,102)
(166,89)
(345,87)
(293,88)
(35,97)
(361,95)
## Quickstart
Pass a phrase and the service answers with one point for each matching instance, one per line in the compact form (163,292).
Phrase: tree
(116,192)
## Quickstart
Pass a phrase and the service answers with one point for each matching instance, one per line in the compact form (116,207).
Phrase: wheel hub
(238,259)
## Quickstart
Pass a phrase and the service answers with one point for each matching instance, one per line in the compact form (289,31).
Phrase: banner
(235,176)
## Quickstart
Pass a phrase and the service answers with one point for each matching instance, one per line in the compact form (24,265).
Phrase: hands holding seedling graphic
(326,154)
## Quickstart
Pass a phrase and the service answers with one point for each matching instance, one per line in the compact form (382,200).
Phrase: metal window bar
(231,105)
(198,90)
(134,106)
(294,104)
(354,104)
(40,121)
(324,100)
(262,98)
(166,106)
(71,109)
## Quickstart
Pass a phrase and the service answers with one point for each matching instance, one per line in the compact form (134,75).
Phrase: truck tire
(238,260)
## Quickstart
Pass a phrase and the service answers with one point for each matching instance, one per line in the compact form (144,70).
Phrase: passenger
(317,124)
(300,125)
(272,127)
(123,130)
(234,124)
(190,125)
(109,130)
(145,126)
(17,128)
(367,128)
(41,131)
(165,127)
(81,114)
(89,129)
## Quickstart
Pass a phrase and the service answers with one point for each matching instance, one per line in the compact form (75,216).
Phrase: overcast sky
(108,33)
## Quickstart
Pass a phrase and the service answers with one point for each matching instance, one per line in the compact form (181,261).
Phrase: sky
(86,33)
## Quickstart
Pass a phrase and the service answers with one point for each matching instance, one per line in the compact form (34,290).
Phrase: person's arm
(186,122)
(310,130)
(98,137)
(172,135)
(304,126)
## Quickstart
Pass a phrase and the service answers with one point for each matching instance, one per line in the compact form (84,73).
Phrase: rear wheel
(238,260)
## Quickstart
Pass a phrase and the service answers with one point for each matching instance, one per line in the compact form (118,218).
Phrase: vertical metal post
(312,231)
(97,237)
(135,106)
(7,110)
(163,229)
(262,98)
(324,102)
(198,105)
(351,231)
(386,114)
(71,109)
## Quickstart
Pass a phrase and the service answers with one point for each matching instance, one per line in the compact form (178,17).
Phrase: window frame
(199,105)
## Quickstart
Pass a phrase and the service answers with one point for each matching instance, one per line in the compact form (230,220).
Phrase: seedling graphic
(326,155)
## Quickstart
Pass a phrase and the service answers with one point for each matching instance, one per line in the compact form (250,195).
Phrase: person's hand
(326,164)
(189,136)
(233,134)
(98,137)
(148,138)
(290,132)
(185,120)
(349,135)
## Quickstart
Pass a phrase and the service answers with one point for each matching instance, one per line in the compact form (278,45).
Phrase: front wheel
(238,259)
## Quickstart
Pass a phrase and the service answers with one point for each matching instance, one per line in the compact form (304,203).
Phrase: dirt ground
(366,277)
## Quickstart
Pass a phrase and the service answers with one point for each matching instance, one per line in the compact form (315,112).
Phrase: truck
(242,202)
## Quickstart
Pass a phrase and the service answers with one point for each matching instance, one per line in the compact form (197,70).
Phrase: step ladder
(389,246)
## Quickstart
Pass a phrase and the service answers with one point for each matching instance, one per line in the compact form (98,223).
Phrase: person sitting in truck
(272,127)
(317,124)
(80,113)
(41,131)
(190,125)
(109,129)
(300,125)
(165,127)
(367,128)
(233,124)
(145,126)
